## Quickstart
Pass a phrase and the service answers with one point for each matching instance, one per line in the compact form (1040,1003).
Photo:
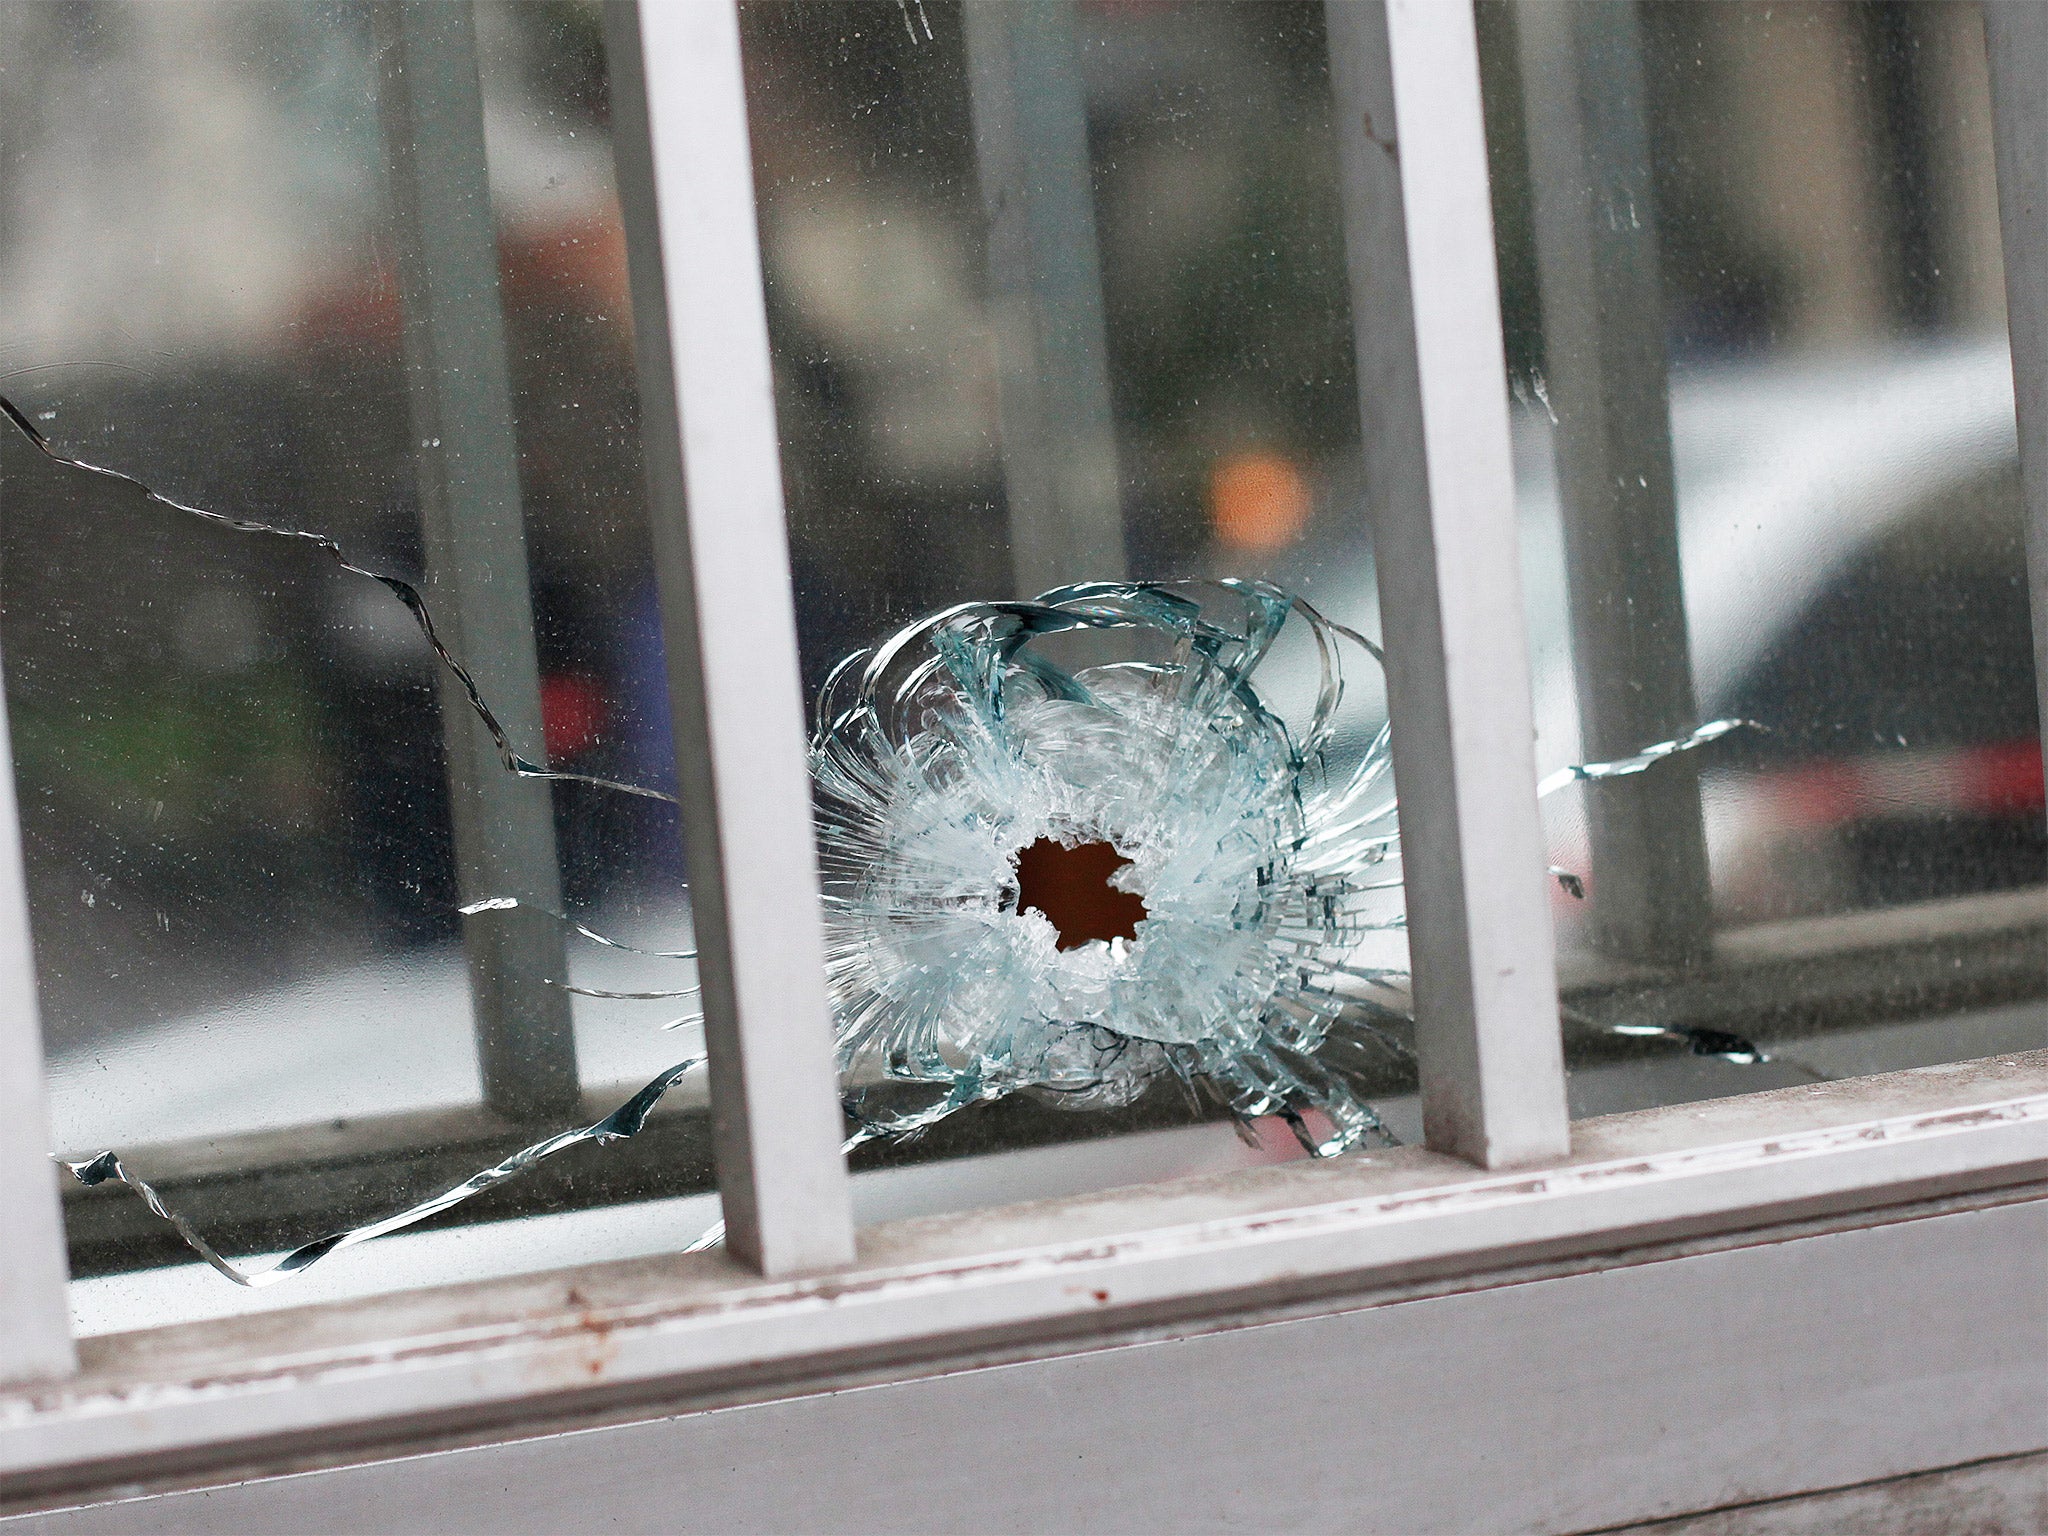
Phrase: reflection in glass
(302,1050)
(1768,470)
(245,883)
(1057,295)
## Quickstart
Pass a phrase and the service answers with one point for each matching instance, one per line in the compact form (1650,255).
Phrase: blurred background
(1056,292)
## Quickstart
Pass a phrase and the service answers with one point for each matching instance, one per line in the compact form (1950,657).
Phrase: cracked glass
(316,942)
(272,508)
(337,688)
(1064,361)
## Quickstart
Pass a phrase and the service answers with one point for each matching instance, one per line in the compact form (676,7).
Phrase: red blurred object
(2005,778)
(2001,778)
(1821,794)
(573,713)
(576,263)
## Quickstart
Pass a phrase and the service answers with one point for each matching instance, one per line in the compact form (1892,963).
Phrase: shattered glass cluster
(961,753)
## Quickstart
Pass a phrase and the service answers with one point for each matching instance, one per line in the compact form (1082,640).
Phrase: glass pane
(1057,294)
(1767,472)
(246,827)
(230,745)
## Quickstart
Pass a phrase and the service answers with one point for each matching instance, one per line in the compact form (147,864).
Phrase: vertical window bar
(2016,42)
(1605,365)
(35,1313)
(1440,486)
(721,553)
(1045,292)
(467,473)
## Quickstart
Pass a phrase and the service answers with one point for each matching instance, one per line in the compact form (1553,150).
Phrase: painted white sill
(676,1329)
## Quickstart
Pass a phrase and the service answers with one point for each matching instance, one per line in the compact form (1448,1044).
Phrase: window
(659,420)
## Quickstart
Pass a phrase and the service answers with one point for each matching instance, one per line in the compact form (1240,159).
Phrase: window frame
(1504,1178)
(534,1353)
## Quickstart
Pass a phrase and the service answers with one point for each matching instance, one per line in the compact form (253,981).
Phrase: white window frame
(1504,1178)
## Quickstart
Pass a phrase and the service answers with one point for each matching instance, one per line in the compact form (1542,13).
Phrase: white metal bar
(1045,293)
(1603,344)
(35,1317)
(1433,391)
(722,557)
(1323,1232)
(466,457)
(2016,42)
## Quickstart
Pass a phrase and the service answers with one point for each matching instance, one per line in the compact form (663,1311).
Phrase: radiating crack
(623,997)
(620,1124)
(904,6)
(1648,757)
(507,903)
(1702,1041)
(403,590)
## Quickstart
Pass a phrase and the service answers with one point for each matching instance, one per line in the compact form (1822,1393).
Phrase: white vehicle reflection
(1855,579)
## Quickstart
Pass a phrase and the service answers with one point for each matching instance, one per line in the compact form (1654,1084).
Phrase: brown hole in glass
(1070,888)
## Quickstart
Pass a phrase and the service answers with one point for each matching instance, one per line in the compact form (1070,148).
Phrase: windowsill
(674,1331)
